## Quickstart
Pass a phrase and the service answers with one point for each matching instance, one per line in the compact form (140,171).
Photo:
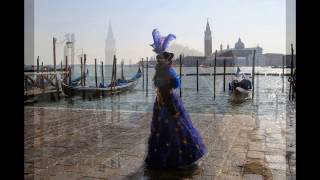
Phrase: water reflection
(258,169)
(170,174)
(201,102)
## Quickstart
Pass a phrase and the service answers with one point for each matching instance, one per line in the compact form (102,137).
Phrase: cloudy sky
(260,22)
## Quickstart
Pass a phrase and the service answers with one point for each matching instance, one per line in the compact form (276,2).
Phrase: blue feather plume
(167,40)
(161,43)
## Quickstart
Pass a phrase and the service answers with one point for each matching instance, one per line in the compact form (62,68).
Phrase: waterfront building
(243,56)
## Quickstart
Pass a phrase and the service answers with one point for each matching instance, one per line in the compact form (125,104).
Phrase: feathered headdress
(160,43)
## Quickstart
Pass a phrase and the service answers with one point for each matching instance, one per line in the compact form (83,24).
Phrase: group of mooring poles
(224,74)
(145,65)
(67,70)
(41,69)
(114,72)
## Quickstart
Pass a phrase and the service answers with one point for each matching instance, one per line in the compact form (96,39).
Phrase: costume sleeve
(175,78)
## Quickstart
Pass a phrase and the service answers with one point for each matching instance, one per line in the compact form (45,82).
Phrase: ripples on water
(271,93)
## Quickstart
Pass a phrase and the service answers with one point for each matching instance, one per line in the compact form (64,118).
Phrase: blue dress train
(173,142)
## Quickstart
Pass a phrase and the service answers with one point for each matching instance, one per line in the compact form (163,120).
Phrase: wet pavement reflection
(70,143)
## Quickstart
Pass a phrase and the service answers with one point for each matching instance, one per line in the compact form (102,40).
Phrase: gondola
(240,87)
(118,86)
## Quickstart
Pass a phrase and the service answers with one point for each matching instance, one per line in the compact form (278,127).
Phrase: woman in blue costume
(173,142)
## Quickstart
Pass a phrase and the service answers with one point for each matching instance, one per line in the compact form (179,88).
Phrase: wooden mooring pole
(38,64)
(122,63)
(114,73)
(147,76)
(214,75)
(66,65)
(54,53)
(84,68)
(26,83)
(54,64)
(70,69)
(142,73)
(47,68)
(224,75)
(115,69)
(291,73)
(180,60)
(81,81)
(102,75)
(253,71)
(42,77)
(283,62)
(66,69)
(95,71)
(197,75)
(283,59)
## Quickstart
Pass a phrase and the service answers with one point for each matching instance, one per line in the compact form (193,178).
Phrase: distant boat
(240,87)
(29,101)
(204,66)
(119,86)
(279,66)
(276,66)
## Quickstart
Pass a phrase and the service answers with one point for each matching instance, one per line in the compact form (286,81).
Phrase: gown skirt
(173,142)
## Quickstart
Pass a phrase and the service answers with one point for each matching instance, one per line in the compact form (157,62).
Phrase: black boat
(240,87)
(118,86)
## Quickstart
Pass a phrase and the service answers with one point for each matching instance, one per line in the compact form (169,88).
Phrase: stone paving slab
(63,143)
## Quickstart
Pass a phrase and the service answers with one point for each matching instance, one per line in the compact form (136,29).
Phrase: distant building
(69,52)
(207,41)
(240,55)
(191,61)
(288,60)
(243,56)
(276,59)
(273,59)
(110,49)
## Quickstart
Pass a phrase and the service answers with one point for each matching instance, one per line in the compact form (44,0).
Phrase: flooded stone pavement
(69,143)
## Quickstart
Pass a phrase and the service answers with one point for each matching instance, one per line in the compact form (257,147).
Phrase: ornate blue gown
(173,142)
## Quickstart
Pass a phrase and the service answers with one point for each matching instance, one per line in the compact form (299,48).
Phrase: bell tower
(207,41)
(110,49)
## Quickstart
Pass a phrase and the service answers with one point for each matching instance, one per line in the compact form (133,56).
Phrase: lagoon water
(270,98)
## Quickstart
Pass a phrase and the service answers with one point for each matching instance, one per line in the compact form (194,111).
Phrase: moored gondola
(118,86)
(240,87)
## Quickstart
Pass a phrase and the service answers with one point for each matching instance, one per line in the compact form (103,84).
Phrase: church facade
(237,56)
